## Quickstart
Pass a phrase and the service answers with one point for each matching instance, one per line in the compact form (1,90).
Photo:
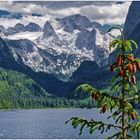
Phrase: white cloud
(104,13)
(23,7)
(64,12)
(38,20)
(112,14)
(8,22)
(25,20)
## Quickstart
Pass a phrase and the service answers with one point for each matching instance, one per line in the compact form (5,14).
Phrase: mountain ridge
(60,52)
(54,56)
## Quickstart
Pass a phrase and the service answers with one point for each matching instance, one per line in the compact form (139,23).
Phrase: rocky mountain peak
(48,30)
(86,39)
(33,27)
(97,25)
(76,21)
(19,27)
(2,30)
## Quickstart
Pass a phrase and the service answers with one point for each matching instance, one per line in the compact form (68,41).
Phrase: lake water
(45,123)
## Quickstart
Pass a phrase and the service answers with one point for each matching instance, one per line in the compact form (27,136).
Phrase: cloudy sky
(102,12)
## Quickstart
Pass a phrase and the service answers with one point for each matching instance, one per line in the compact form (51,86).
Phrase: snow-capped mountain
(61,46)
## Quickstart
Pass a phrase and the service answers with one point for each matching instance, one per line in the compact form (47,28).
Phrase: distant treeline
(50,102)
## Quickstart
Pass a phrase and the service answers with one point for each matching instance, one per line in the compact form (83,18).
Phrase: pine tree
(124,94)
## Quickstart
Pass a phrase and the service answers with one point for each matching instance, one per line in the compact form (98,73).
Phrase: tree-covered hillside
(17,90)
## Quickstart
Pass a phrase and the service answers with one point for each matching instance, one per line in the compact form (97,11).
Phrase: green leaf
(108,127)
(129,119)
(120,43)
(100,101)
(84,88)
(126,86)
(135,88)
(114,79)
(75,122)
(128,45)
(82,126)
(134,43)
(137,60)
(92,129)
(68,120)
(116,86)
(113,44)
(103,128)
(119,118)
(112,103)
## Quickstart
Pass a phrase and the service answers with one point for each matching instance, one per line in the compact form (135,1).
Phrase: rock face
(68,41)
(19,27)
(86,39)
(73,22)
(2,29)
(48,30)
(132,25)
(133,19)
(31,27)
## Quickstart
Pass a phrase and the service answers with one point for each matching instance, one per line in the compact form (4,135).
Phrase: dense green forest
(17,90)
